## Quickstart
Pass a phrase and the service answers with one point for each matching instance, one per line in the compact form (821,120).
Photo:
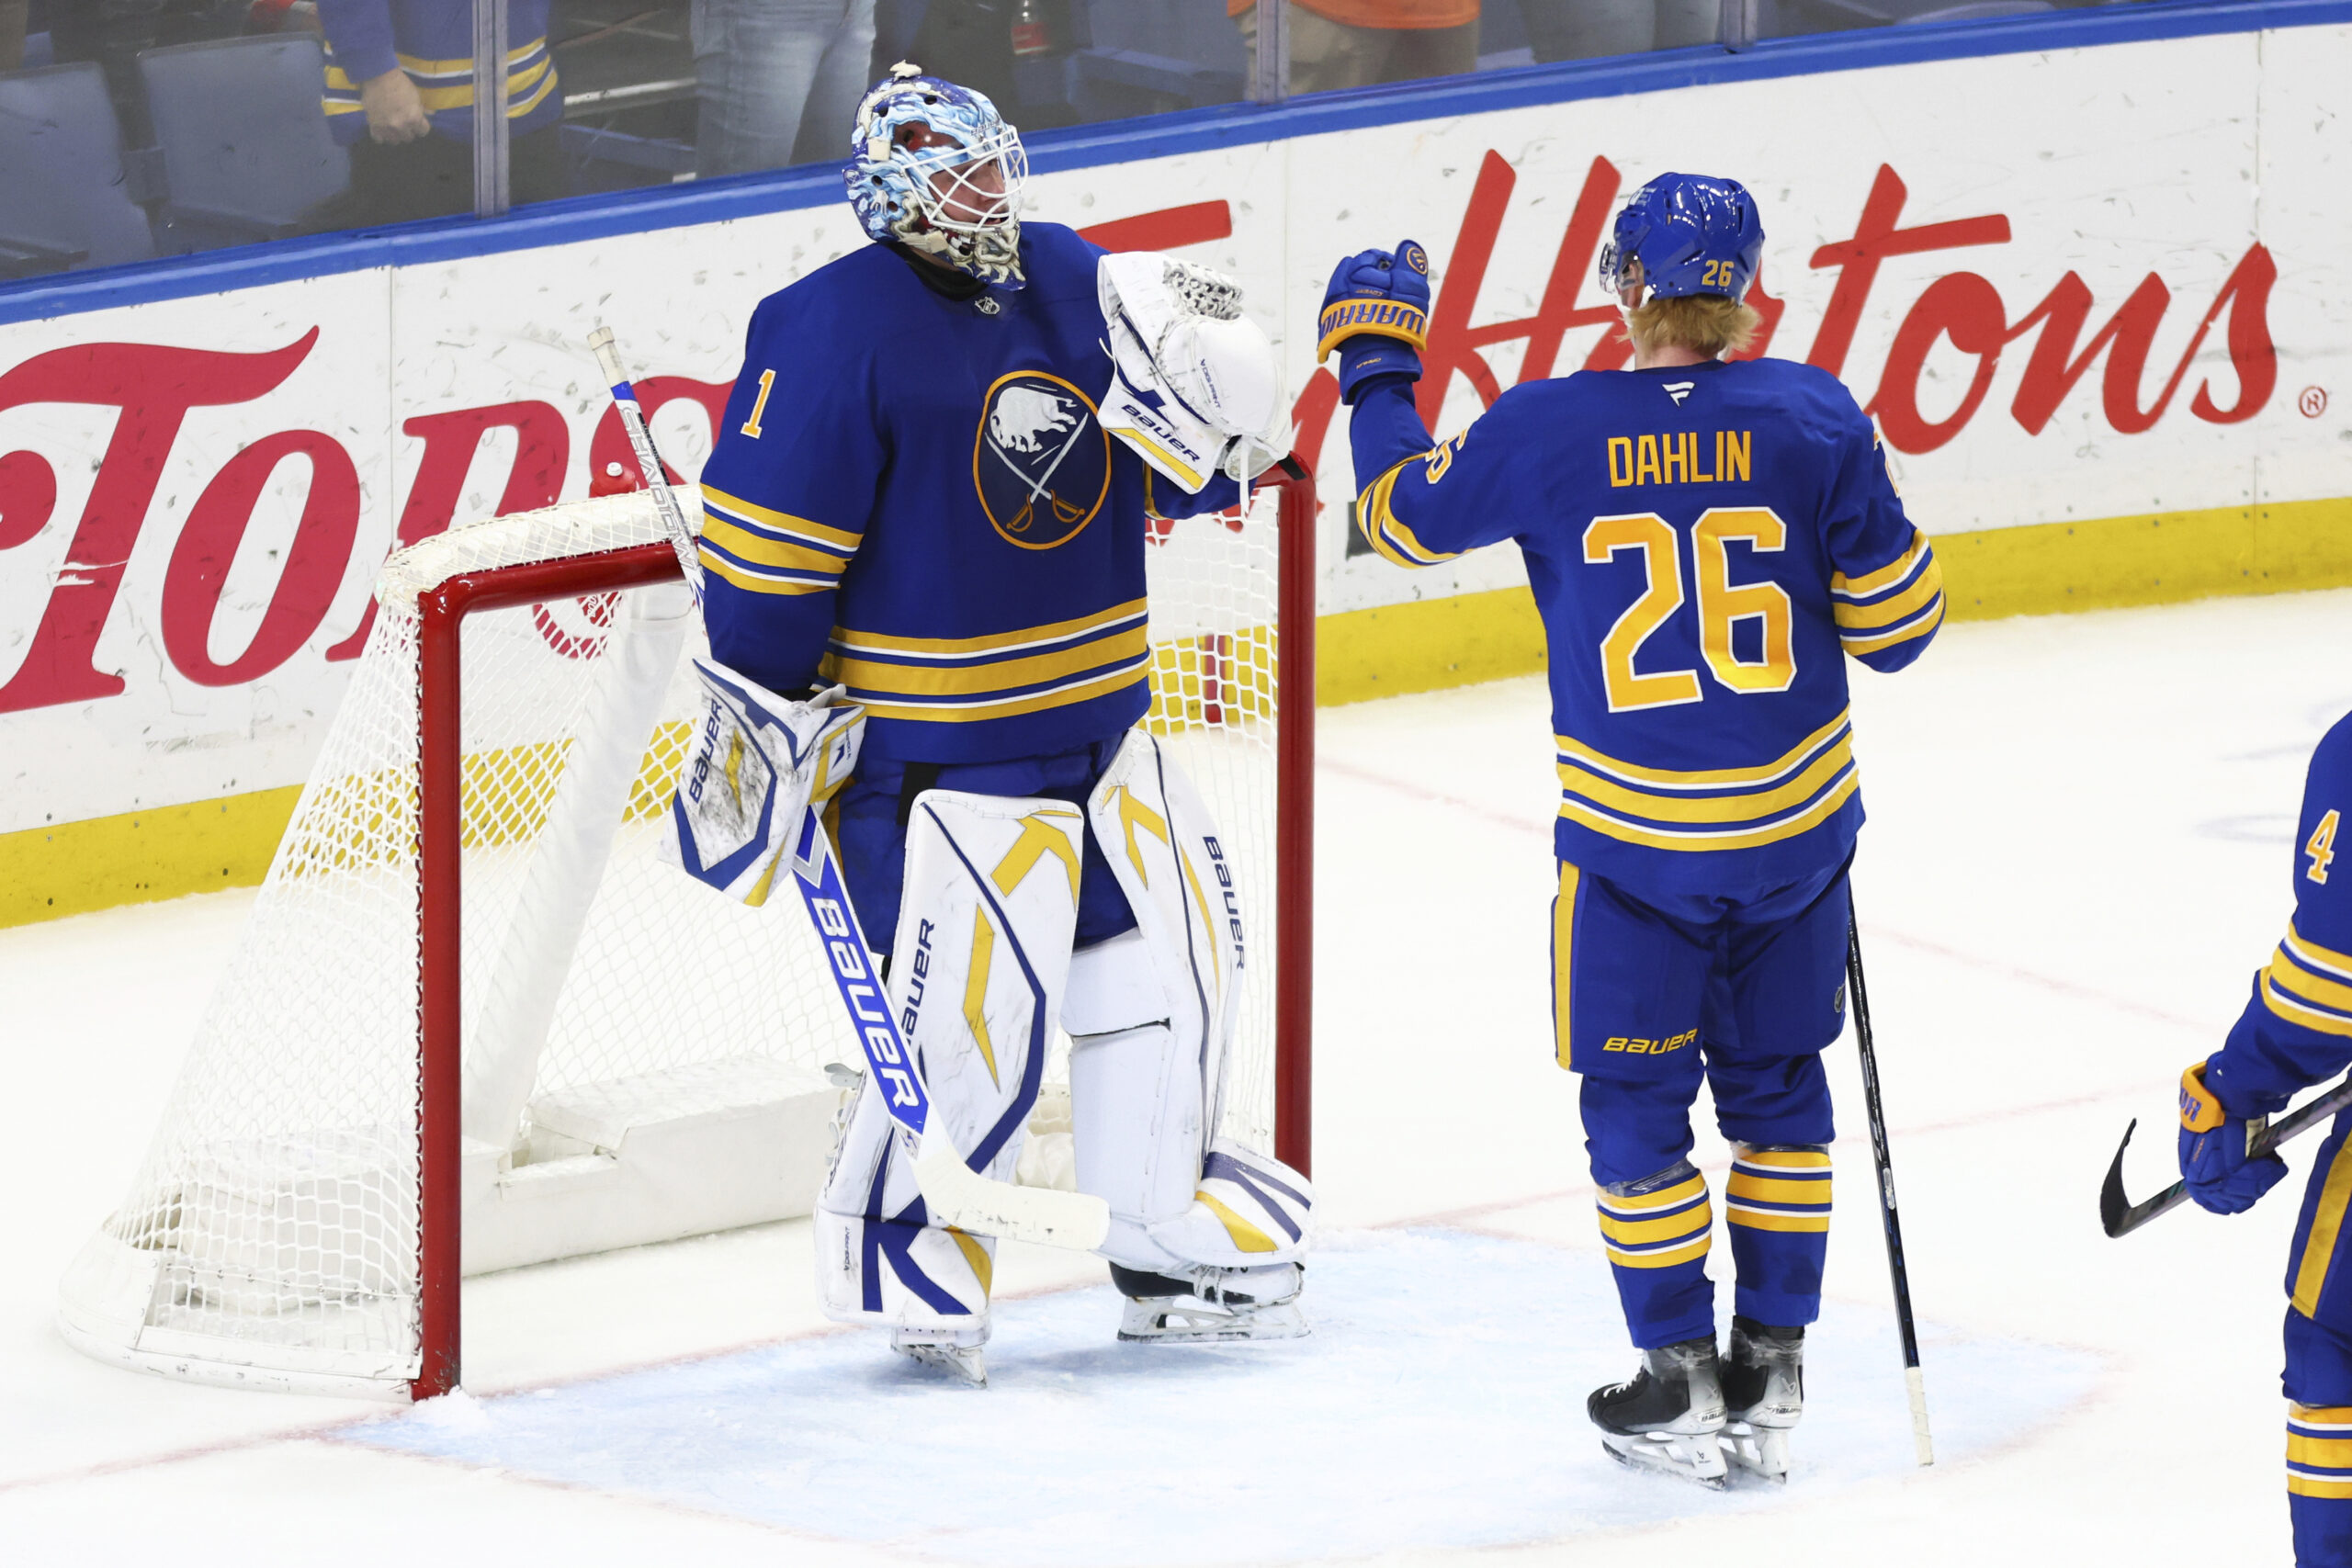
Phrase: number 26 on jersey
(1722,605)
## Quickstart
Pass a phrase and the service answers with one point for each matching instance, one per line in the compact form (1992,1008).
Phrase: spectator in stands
(1583,29)
(1353,43)
(400,94)
(778,80)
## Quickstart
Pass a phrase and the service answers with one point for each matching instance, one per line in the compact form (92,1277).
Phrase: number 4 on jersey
(2322,848)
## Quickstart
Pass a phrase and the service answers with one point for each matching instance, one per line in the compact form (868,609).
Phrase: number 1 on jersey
(2322,848)
(759,405)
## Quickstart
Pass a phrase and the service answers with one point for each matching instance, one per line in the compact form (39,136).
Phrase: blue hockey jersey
(1705,545)
(911,495)
(2297,1027)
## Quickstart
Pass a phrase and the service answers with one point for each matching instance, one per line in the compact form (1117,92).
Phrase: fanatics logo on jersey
(1677,390)
(1041,460)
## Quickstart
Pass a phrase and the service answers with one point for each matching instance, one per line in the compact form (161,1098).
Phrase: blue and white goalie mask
(756,764)
(934,166)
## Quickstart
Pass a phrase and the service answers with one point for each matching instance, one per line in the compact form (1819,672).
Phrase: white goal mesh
(271,1235)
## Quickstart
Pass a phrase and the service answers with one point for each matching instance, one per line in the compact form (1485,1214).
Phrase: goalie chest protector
(912,494)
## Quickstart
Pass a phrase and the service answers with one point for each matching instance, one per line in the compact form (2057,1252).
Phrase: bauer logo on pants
(1040,459)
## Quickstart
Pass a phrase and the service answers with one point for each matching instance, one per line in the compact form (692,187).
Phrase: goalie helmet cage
(302,1218)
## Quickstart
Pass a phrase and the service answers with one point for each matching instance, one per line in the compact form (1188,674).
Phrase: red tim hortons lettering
(306,583)
(542,450)
(153,386)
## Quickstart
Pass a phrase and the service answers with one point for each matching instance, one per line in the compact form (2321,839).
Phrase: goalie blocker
(982,970)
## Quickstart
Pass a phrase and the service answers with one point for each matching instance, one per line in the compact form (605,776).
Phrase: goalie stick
(955,1195)
(1913,1381)
(2120,1216)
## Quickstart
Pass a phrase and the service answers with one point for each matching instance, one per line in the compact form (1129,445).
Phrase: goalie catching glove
(1194,390)
(758,762)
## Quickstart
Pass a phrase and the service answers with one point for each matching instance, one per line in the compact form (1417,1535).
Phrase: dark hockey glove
(1376,314)
(2214,1151)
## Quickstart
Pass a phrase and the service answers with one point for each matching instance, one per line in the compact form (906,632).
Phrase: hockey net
(468,893)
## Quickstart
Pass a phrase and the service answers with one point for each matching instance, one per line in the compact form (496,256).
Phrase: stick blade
(2114,1208)
(960,1197)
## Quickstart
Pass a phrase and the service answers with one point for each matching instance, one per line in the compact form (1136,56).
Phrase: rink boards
(2095,295)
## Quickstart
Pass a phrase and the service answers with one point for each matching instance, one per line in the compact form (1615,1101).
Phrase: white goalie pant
(982,970)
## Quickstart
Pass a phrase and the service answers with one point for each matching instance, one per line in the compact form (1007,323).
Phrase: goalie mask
(934,166)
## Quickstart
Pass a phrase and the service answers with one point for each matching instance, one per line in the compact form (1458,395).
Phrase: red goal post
(442,614)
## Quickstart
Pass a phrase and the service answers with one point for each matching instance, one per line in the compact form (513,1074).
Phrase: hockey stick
(648,462)
(1914,1383)
(954,1194)
(2117,1216)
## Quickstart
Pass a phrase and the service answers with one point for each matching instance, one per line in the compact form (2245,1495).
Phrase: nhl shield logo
(1041,460)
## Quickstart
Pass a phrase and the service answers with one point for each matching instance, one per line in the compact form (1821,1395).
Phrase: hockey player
(1706,538)
(2297,1030)
(916,496)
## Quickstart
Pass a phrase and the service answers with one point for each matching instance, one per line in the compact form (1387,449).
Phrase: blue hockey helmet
(1692,233)
(959,195)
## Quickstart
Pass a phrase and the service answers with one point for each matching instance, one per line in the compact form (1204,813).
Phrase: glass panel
(137,128)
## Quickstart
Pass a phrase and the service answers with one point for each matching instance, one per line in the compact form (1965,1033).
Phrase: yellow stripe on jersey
(1780,767)
(2297,1012)
(1384,532)
(1084,689)
(766,549)
(1901,607)
(1918,627)
(2327,1221)
(994,642)
(753,582)
(1885,577)
(867,675)
(2311,955)
(1745,808)
(740,511)
(1771,832)
(2309,984)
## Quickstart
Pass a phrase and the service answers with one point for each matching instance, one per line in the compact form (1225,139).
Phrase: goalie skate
(1671,1417)
(1763,1384)
(1210,1305)
(956,1352)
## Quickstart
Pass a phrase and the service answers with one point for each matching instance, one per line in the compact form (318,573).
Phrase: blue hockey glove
(1376,314)
(2212,1151)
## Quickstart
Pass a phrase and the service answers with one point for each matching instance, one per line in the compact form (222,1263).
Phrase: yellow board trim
(1425,645)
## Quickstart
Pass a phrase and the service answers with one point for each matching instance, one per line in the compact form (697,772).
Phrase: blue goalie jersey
(911,495)
(1706,545)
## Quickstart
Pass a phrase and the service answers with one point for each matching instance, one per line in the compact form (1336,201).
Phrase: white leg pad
(980,959)
(1151,1017)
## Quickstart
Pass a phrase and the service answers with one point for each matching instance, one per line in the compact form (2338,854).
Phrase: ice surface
(2077,854)
(1438,1403)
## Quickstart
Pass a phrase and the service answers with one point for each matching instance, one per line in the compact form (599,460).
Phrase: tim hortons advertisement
(2071,287)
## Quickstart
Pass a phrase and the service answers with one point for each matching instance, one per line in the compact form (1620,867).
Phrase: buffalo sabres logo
(1040,459)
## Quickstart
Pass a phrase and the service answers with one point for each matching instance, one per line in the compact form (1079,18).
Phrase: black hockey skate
(1763,1382)
(1667,1418)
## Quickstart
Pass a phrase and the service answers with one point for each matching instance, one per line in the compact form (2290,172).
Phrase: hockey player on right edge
(1706,540)
(2297,1030)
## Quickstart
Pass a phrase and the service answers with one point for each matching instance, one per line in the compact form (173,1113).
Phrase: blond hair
(1704,323)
